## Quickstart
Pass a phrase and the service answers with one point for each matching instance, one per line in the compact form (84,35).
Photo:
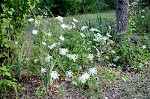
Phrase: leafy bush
(7,82)
(13,15)
(12,19)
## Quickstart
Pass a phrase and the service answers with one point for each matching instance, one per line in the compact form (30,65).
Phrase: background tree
(122,14)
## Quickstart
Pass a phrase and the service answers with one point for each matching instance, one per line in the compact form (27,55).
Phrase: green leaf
(3,68)
(10,12)
(7,74)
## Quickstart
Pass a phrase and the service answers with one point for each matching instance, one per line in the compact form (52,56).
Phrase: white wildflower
(63,51)
(72,56)
(93,29)
(34,32)
(69,27)
(59,18)
(104,38)
(82,35)
(63,26)
(43,70)
(16,42)
(52,46)
(44,43)
(54,75)
(90,57)
(98,37)
(143,10)
(142,16)
(109,27)
(108,35)
(30,20)
(69,73)
(49,34)
(106,98)
(48,58)
(92,71)
(74,26)
(61,38)
(84,77)
(83,28)
(35,60)
(144,46)
(75,20)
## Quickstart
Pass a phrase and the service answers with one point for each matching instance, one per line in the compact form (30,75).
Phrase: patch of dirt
(137,87)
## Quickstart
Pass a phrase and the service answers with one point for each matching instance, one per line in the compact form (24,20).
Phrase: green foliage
(142,21)
(12,19)
(72,7)
(13,15)
(7,82)
(130,56)
(109,4)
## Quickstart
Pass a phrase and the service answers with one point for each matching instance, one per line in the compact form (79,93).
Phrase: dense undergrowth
(54,50)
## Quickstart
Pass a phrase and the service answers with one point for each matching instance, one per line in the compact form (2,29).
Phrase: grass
(86,17)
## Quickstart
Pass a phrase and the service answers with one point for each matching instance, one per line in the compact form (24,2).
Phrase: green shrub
(13,18)
(7,82)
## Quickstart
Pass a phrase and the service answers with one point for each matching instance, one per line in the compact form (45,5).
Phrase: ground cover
(73,58)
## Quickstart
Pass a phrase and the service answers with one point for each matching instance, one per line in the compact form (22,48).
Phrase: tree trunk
(122,15)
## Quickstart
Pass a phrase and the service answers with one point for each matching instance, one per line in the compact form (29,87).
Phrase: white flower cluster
(63,51)
(100,38)
(30,20)
(83,28)
(59,18)
(54,75)
(69,27)
(49,34)
(92,71)
(75,20)
(69,74)
(48,58)
(43,70)
(52,46)
(143,47)
(90,57)
(34,32)
(93,29)
(72,57)
(61,38)
(44,43)
(85,76)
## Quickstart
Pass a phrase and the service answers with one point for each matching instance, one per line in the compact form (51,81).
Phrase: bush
(12,21)
(13,15)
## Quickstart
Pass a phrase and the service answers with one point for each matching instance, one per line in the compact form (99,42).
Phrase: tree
(122,14)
